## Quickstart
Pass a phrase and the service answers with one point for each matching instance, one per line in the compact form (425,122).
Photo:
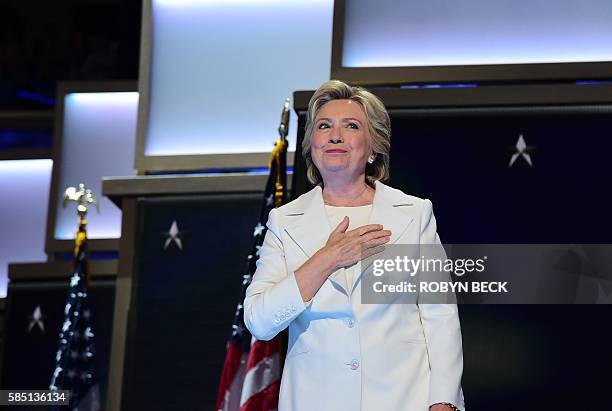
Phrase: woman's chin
(334,168)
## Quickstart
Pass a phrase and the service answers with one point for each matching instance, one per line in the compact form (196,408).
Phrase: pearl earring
(370,160)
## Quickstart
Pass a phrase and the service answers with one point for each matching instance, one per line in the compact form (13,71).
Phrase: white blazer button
(354,364)
(350,323)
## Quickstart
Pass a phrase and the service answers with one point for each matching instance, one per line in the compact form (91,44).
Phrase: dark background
(184,301)
(29,355)
(42,42)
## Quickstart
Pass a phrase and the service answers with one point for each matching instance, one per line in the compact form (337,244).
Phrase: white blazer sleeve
(273,298)
(442,333)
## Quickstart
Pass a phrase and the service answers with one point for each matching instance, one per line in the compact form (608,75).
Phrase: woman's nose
(336,138)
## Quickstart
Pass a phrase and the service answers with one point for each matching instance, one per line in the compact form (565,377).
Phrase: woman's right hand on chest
(342,249)
(346,248)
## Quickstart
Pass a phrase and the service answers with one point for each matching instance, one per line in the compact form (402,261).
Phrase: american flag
(74,360)
(250,380)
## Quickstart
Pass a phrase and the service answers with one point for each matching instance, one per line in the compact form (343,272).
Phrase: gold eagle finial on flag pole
(84,197)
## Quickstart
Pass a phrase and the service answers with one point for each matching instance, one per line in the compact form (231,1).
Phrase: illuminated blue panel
(448,32)
(24,194)
(98,140)
(222,70)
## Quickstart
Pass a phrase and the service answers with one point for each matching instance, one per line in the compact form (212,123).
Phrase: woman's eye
(323,125)
(353,126)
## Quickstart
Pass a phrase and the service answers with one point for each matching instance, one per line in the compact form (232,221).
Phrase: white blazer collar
(311,230)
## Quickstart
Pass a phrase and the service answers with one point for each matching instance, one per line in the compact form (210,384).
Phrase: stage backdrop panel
(462,161)
(518,357)
(184,297)
(94,137)
(407,42)
(24,190)
(29,348)
(392,33)
(215,74)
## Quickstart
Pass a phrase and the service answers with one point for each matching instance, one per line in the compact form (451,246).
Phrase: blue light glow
(460,85)
(594,82)
(39,98)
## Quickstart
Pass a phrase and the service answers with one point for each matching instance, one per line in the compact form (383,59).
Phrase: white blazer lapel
(311,231)
(385,211)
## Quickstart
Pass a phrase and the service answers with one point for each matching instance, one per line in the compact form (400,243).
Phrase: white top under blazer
(358,216)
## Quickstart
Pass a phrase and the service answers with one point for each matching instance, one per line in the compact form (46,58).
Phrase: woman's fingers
(350,246)
(362,250)
(372,235)
(376,241)
(374,245)
(365,229)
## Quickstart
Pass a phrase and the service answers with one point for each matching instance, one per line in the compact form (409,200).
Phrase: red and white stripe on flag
(232,379)
(262,380)
(251,382)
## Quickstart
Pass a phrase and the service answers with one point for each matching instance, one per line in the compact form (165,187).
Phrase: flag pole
(74,361)
(244,355)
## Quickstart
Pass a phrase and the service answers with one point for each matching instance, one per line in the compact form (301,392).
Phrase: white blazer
(344,355)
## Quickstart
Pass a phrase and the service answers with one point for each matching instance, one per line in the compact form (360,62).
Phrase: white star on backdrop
(521,150)
(173,235)
(270,200)
(36,319)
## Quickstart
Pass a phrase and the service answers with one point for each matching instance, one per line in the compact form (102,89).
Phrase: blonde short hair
(377,118)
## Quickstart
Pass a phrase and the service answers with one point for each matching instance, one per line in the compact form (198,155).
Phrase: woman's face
(340,142)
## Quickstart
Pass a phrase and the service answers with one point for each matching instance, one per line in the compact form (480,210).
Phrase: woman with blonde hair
(342,354)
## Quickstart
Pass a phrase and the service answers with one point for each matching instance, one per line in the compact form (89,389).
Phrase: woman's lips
(335,150)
